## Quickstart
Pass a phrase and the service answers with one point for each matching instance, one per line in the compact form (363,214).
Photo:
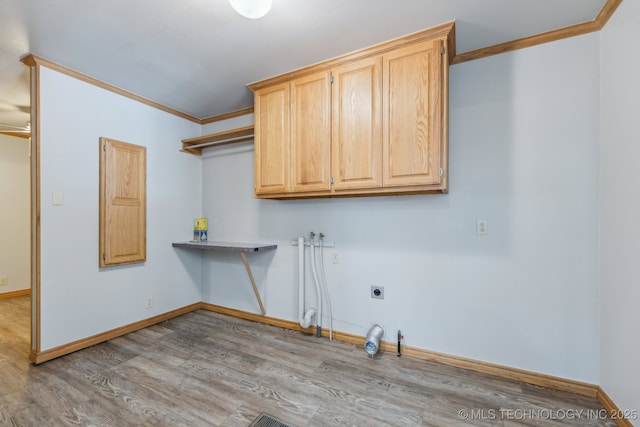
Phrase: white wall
(79,299)
(523,144)
(620,209)
(14,213)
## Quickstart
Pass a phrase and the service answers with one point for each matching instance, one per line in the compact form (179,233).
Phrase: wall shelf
(242,248)
(225,246)
(195,145)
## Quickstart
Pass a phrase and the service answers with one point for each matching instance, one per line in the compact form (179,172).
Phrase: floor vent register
(265,420)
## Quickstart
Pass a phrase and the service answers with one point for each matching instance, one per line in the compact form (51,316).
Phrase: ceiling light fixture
(252,9)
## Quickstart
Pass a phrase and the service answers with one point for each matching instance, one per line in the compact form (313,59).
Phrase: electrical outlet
(4,281)
(377,292)
(335,258)
(149,303)
(482,227)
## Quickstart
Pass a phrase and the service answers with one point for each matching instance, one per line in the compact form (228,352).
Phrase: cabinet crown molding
(443,30)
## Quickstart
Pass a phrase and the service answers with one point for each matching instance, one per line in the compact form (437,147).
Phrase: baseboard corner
(618,415)
(38,357)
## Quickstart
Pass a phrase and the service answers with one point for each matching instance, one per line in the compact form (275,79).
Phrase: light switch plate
(58,198)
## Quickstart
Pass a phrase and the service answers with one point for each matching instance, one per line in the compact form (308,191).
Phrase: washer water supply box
(200,229)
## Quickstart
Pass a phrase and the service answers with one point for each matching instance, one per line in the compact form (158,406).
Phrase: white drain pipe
(303,318)
(324,286)
(317,283)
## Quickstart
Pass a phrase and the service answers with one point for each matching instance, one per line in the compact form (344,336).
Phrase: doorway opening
(16,216)
(15,246)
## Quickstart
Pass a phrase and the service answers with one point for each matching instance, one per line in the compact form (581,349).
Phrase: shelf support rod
(253,282)
(222,141)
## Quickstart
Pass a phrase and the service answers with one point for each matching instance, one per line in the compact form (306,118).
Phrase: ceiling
(197,56)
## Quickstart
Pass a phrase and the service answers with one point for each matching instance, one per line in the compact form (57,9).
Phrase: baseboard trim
(44,356)
(273,321)
(529,377)
(502,371)
(13,294)
(614,411)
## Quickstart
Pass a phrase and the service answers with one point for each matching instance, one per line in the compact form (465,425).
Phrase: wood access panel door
(123,205)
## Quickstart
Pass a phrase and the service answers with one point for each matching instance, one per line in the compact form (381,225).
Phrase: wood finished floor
(206,369)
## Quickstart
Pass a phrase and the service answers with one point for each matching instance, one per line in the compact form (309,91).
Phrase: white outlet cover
(58,198)
(482,227)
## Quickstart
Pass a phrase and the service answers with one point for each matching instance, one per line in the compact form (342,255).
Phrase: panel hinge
(441,49)
(331,180)
(331,79)
(104,257)
(441,172)
(104,147)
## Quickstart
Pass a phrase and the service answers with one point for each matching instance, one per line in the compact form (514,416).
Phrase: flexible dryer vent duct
(372,341)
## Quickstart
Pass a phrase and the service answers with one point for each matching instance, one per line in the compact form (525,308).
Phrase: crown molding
(562,33)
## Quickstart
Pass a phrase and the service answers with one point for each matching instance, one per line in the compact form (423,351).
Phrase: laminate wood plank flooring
(207,369)
(15,329)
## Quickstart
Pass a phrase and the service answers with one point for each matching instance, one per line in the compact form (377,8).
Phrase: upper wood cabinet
(271,136)
(412,123)
(356,119)
(311,133)
(372,122)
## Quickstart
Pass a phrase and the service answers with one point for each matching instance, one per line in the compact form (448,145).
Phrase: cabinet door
(271,140)
(311,133)
(357,124)
(412,115)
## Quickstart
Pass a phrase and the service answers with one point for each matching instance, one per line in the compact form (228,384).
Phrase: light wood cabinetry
(356,119)
(372,122)
(413,127)
(271,139)
(311,133)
